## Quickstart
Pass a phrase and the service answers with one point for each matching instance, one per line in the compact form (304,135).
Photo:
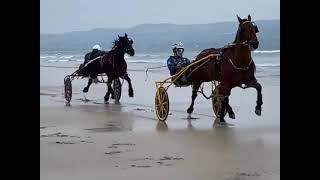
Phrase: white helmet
(97,46)
(178,48)
(178,45)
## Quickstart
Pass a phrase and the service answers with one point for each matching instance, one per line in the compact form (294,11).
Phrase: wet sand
(92,140)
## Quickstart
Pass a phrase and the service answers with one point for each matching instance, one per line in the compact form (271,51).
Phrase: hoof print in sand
(140,166)
(74,136)
(123,144)
(170,158)
(141,159)
(59,134)
(113,152)
(247,174)
(60,142)
(165,158)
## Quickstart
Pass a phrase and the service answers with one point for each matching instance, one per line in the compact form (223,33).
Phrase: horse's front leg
(110,90)
(126,77)
(195,89)
(258,87)
(86,89)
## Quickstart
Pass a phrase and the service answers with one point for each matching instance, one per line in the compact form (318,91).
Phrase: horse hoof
(219,122)
(232,116)
(189,111)
(258,112)
(85,90)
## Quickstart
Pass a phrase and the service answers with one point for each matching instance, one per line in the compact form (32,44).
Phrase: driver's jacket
(173,61)
(93,54)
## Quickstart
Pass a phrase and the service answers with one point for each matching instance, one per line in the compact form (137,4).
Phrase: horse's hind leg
(86,89)
(126,77)
(195,88)
(229,109)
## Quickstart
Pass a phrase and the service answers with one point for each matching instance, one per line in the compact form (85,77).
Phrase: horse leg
(229,109)
(258,87)
(195,88)
(86,89)
(224,91)
(112,94)
(110,90)
(126,77)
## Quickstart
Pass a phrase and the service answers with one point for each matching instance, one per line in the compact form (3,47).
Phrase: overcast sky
(58,16)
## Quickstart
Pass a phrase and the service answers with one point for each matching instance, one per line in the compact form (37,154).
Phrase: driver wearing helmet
(176,62)
(96,51)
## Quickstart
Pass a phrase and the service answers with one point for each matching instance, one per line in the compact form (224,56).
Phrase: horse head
(124,44)
(247,31)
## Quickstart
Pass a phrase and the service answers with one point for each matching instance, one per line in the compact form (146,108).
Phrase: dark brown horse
(232,66)
(113,64)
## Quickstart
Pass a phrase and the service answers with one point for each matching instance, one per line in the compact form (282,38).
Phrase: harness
(111,61)
(219,59)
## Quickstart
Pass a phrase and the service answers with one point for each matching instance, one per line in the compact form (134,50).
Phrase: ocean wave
(268,65)
(66,56)
(45,57)
(266,52)
(65,60)
(141,61)
(142,56)
(52,60)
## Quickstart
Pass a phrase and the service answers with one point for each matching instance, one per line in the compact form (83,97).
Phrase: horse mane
(235,39)
(115,44)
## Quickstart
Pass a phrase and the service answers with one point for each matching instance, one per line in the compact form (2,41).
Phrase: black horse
(112,63)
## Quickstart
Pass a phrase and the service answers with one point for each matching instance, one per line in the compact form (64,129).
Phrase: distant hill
(150,38)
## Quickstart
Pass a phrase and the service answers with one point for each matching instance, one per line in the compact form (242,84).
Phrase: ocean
(267,62)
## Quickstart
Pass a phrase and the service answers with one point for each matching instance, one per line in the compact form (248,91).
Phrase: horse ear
(125,35)
(249,17)
(118,36)
(239,19)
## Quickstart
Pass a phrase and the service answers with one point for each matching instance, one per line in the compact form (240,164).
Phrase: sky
(59,16)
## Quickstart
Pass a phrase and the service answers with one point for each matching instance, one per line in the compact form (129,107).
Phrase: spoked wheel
(162,104)
(67,89)
(216,104)
(117,89)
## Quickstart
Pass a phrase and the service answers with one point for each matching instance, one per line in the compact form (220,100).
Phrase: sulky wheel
(117,89)
(67,89)
(162,104)
(216,103)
